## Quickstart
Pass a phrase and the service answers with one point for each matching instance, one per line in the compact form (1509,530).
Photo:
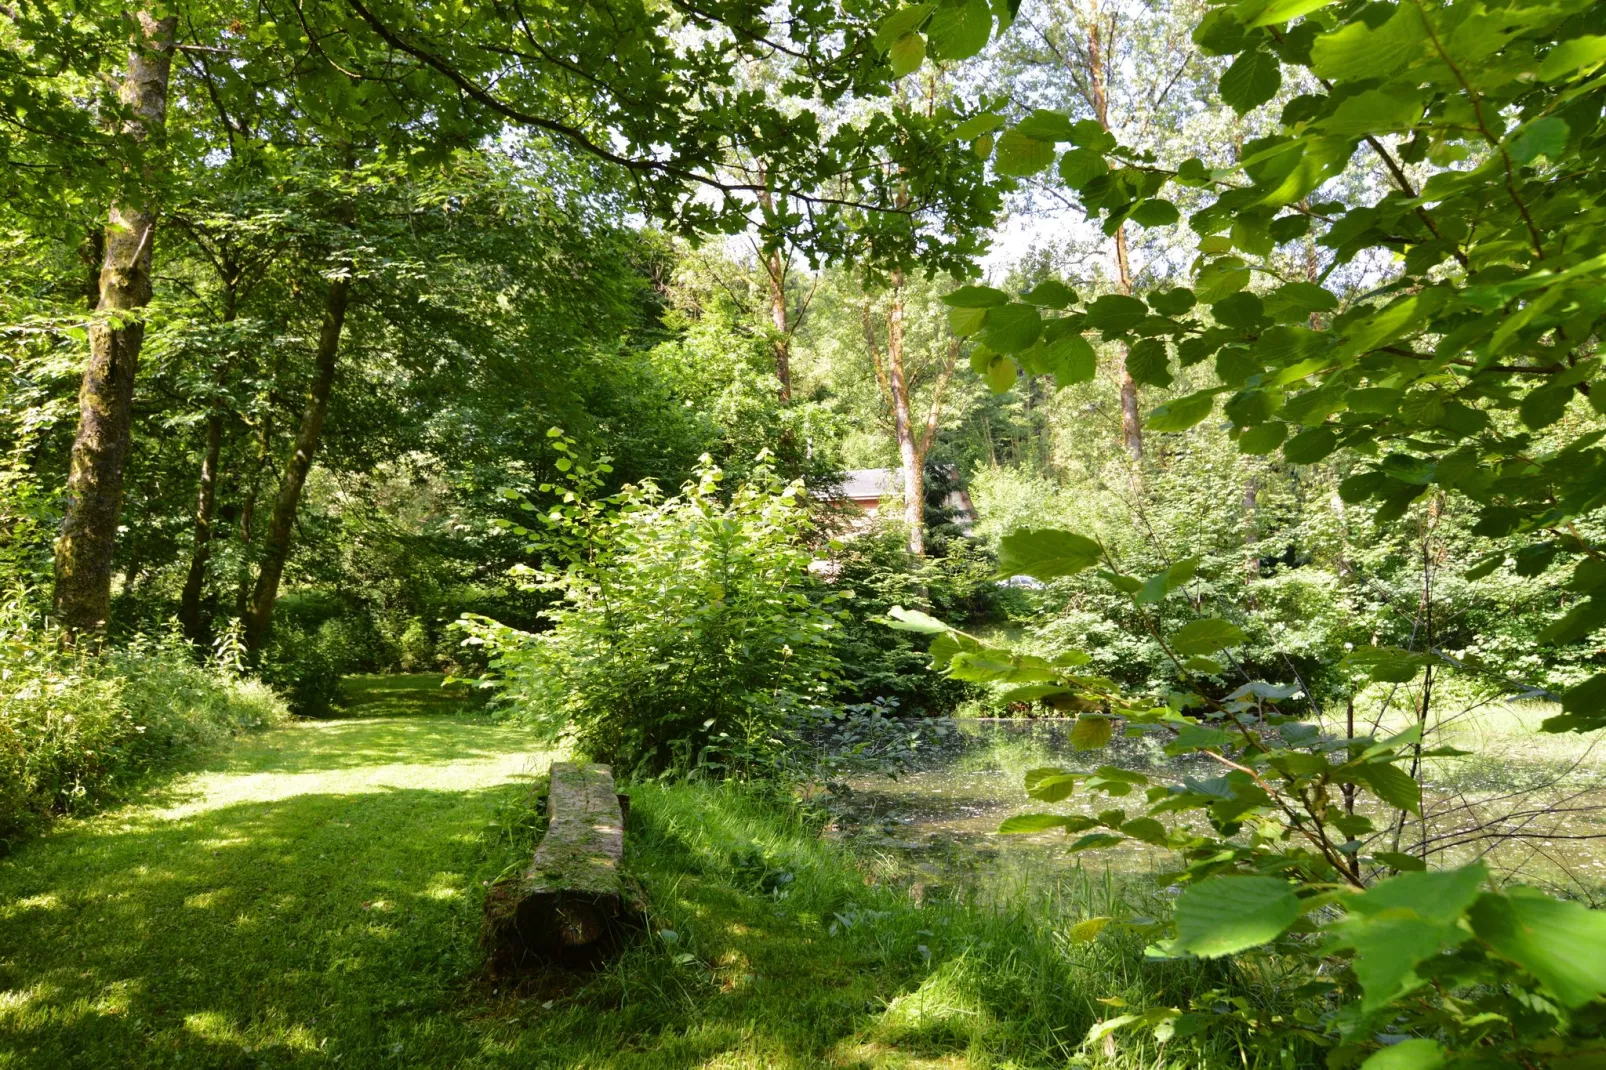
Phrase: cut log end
(569,906)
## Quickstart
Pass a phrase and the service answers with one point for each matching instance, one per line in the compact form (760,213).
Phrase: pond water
(937,826)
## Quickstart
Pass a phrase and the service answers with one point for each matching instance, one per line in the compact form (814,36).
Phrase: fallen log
(569,906)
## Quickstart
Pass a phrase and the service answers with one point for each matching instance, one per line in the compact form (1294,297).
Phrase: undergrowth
(78,729)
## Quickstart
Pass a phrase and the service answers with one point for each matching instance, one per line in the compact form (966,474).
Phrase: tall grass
(1004,980)
(77,728)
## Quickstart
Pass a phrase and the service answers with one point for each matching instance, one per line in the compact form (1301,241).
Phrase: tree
(900,371)
(100,449)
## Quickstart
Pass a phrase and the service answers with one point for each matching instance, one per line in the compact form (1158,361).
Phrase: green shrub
(877,571)
(77,728)
(686,634)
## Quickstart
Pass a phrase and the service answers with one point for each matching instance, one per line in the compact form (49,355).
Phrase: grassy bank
(313,898)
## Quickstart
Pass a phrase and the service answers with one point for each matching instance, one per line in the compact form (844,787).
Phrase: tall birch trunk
(106,394)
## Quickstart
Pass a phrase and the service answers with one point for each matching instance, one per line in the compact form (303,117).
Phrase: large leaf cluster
(1285,845)
(1471,365)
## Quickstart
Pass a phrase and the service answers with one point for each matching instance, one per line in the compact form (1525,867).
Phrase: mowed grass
(313,898)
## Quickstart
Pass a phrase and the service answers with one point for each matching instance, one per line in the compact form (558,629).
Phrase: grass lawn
(313,896)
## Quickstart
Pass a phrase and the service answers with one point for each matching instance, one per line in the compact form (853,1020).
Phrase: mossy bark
(570,901)
(106,394)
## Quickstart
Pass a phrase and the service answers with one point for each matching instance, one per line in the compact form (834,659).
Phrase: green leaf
(977,125)
(1046,553)
(975,297)
(1050,293)
(1393,785)
(1226,915)
(1018,155)
(1179,414)
(1095,840)
(1401,921)
(1568,56)
(907,54)
(1310,446)
(1090,732)
(1583,619)
(1220,279)
(1254,78)
(1116,313)
(1172,302)
(1418,1053)
(1155,213)
(1374,112)
(1562,943)
(1283,10)
(1161,584)
(1583,707)
(1219,33)
(1148,362)
(1079,167)
(1050,784)
(1012,328)
(1387,664)
(1088,929)
(1262,438)
(1355,51)
(912,620)
(959,32)
(1001,374)
(1542,137)
(1026,824)
(1046,125)
(965,322)
(1206,636)
(1070,359)
(1403,862)
(898,24)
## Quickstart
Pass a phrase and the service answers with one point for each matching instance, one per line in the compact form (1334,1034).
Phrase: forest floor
(312,896)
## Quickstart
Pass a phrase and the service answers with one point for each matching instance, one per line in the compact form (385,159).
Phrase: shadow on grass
(271,933)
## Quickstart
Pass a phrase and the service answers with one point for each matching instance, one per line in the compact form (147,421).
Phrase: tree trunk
(106,395)
(281,526)
(903,425)
(1131,426)
(778,317)
(189,613)
(569,906)
(1251,529)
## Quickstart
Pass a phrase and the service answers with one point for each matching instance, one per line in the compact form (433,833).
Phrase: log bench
(569,906)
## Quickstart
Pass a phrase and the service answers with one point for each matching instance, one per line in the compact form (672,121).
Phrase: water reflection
(937,826)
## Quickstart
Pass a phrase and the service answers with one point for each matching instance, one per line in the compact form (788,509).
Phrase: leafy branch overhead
(1483,125)
(1278,852)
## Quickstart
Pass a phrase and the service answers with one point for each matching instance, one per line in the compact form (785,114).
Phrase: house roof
(860,484)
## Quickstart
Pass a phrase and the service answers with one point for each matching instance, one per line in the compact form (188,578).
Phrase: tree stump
(569,906)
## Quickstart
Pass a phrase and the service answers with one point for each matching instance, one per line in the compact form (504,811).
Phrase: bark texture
(281,525)
(894,376)
(571,899)
(781,321)
(106,394)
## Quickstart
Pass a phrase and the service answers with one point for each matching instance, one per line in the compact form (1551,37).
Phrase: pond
(1532,817)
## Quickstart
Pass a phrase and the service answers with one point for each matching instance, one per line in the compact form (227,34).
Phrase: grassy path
(313,896)
(312,888)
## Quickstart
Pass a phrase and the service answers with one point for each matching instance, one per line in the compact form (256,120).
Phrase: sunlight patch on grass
(212,790)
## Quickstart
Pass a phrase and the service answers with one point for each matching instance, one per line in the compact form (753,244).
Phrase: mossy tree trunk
(106,394)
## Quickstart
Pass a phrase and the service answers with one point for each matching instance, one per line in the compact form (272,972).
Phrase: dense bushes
(75,729)
(874,571)
(686,636)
